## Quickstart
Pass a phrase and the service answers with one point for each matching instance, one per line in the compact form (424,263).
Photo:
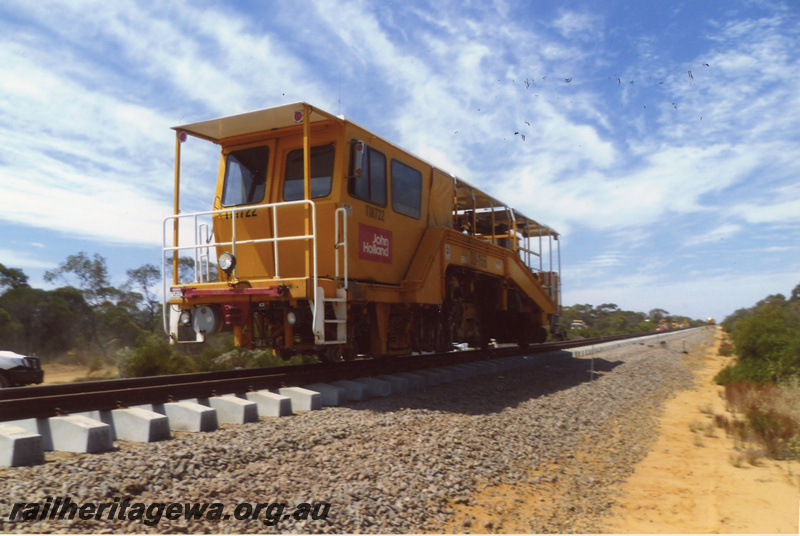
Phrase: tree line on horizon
(608,319)
(86,314)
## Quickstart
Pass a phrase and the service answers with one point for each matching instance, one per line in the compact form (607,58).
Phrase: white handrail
(233,243)
(343,211)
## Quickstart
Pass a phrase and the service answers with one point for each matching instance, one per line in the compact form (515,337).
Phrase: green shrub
(771,336)
(152,356)
(742,371)
(766,341)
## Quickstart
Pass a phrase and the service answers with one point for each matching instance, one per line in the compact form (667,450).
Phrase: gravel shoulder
(538,449)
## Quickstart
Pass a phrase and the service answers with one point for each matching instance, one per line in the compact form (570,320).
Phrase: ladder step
(337,300)
(336,321)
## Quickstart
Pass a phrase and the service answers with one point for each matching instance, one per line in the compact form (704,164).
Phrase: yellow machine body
(324,237)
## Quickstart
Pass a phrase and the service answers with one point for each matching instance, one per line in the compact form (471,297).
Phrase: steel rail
(51,400)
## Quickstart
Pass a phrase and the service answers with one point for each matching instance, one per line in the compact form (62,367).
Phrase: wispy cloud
(723,232)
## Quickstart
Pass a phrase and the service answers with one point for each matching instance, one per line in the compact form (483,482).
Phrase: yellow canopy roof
(251,122)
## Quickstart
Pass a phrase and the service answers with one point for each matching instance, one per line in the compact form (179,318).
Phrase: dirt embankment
(694,481)
(60,373)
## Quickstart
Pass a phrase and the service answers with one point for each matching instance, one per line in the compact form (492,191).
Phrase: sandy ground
(694,481)
(58,373)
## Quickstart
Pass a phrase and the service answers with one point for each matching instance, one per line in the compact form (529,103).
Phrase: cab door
(295,217)
(244,186)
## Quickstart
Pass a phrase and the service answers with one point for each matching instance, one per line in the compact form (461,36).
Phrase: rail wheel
(335,353)
(541,334)
(443,334)
(522,336)
(350,352)
(284,353)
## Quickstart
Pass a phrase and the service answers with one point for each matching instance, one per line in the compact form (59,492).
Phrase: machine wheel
(522,336)
(350,352)
(331,354)
(4,382)
(541,334)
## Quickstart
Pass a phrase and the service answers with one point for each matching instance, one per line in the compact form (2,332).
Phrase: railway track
(62,399)
(410,462)
(88,417)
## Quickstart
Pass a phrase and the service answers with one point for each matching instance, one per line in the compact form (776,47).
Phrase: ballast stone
(270,404)
(19,446)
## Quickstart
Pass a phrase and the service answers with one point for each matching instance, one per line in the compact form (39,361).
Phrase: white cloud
(582,25)
(723,232)
(22,259)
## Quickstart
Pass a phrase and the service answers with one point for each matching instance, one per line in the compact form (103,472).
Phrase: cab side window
(370,184)
(321,173)
(406,189)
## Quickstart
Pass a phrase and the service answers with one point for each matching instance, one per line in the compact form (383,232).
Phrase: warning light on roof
(182,137)
(298,116)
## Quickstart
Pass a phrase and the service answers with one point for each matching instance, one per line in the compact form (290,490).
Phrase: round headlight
(291,317)
(227,262)
(186,318)
(206,319)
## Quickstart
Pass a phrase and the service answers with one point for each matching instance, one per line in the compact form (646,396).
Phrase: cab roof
(231,126)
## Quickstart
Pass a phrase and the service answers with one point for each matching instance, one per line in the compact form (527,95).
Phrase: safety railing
(204,241)
(340,242)
(530,256)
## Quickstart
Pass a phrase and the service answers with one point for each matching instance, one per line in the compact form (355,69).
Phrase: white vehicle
(16,369)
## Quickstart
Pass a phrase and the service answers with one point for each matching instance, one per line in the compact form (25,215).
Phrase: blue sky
(660,138)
